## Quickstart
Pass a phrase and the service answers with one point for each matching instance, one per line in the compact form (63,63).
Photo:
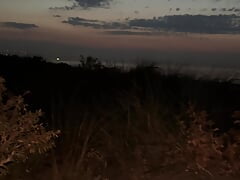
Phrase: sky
(199,31)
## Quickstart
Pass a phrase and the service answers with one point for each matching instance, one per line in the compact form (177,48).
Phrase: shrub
(21,134)
(207,149)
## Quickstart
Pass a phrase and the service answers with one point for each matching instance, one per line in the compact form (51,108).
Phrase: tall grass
(139,124)
(135,140)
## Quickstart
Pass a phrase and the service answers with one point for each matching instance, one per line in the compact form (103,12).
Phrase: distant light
(58,58)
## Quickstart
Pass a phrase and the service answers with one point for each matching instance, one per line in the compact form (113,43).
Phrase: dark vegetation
(119,124)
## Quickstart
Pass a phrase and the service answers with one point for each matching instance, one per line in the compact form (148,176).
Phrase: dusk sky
(121,29)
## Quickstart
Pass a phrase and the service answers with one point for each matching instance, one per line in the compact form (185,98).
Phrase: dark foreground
(136,124)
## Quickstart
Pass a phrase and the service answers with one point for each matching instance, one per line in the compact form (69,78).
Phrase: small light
(58,59)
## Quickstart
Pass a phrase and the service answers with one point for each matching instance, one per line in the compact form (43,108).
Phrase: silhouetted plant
(90,63)
(21,134)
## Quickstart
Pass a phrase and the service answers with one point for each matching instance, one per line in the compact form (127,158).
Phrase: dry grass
(131,139)
(143,146)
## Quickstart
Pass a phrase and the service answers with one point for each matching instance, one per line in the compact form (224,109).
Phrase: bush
(21,134)
(207,149)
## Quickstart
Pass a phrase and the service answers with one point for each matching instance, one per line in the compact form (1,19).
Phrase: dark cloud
(129,33)
(76,21)
(237,10)
(214,24)
(223,9)
(67,8)
(57,16)
(233,9)
(136,32)
(191,23)
(136,12)
(85,4)
(17,25)
(93,3)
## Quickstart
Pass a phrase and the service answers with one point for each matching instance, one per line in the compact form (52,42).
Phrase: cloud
(17,25)
(93,3)
(77,21)
(135,33)
(231,9)
(85,4)
(129,33)
(214,24)
(64,7)
(223,9)
(203,9)
(57,16)
(136,12)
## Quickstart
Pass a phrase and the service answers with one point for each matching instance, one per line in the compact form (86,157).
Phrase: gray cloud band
(214,24)
(76,21)
(93,3)
(85,4)
(17,25)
